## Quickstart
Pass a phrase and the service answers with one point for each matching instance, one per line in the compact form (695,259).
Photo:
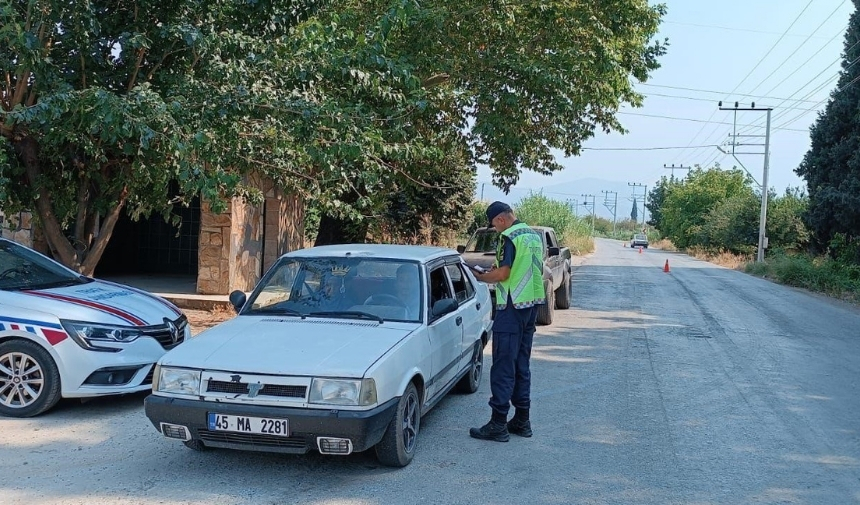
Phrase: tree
(655,200)
(831,167)
(634,212)
(687,209)
(105,103)
(503,90)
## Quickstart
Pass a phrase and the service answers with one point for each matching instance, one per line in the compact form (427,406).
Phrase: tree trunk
(27,150)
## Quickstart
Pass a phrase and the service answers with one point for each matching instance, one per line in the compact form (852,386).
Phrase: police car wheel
(29,379)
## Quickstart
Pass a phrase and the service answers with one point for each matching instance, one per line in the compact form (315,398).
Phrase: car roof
(417,253)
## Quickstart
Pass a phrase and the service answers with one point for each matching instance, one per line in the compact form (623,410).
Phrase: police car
(64,335)
(338,349)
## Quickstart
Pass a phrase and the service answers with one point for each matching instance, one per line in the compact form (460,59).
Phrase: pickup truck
(480,250)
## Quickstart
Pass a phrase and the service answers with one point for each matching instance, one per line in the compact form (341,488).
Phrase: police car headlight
(90,335)
(343,392)
(178,381)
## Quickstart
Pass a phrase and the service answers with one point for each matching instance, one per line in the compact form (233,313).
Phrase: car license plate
(245,424)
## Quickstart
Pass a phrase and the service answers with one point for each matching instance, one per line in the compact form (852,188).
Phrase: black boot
(495,430)
(520,424)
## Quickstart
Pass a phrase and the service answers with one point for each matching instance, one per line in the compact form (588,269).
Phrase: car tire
(562,294)
(472,380)
(34,358)
(196,445)
(398,444)
(545,311)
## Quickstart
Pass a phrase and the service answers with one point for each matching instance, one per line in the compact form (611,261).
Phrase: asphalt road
(698,386)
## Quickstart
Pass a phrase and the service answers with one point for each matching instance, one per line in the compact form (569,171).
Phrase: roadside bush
(575,233)
(821,274)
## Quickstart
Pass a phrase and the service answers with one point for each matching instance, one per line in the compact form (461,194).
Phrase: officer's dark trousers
(510,377)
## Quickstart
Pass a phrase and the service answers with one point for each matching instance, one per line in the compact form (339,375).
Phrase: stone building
(222,251)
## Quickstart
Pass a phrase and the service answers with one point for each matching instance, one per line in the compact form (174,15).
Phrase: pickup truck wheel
(29,379)
(562,294)
(398,444)
(545,311)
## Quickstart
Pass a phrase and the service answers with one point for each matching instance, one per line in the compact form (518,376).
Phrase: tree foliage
(831,167)
(365,108)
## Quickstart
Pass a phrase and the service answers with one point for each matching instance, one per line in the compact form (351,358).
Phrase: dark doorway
(153,246)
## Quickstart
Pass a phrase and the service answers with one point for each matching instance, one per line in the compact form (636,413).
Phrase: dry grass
(663,244)
(203,319)
(722,258)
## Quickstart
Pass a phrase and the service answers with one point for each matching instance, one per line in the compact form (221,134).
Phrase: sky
(787,54)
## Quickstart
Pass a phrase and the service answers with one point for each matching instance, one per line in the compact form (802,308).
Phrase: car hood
(101,302)
(290,346)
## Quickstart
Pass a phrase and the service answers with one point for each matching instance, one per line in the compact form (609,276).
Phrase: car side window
(463,289)
(439,288)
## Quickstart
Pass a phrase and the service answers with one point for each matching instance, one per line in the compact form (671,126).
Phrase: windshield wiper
(279,311)
(357,314)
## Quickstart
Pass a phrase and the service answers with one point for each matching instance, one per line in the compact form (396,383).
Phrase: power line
(843,88)
(661,148)
(753,69)
(734,29)
(699,121)
(698,90)
(710,100)
(783,62)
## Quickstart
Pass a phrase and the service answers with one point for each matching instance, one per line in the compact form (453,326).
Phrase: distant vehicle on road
(639,240)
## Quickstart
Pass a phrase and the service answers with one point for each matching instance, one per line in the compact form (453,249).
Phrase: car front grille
(253,439)
(241,388)
(162,334)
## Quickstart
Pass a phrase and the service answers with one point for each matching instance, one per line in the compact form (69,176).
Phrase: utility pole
(585,204)
(762,224)
(573,206)
(482,190)
(635,185)
(672,167)
(612,207)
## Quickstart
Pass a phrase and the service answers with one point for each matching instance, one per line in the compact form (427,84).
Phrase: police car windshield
(483,241)
(22,268)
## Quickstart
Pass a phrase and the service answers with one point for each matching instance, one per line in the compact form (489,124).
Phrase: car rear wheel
(397,447)
(545,311)
(562,294)
(472,380)
(29,379)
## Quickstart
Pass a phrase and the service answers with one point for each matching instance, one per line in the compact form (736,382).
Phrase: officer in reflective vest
(518,275)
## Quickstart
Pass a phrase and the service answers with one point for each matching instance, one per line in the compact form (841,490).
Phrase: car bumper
(363,428)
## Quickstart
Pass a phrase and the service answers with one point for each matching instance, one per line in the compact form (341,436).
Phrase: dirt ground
(204,319)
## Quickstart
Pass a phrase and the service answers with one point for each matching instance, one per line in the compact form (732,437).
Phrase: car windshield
(483,241)
(640,237)
(363,288)
(22,268)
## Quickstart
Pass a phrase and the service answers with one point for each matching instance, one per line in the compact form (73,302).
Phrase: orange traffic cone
(640,250)
(666,267)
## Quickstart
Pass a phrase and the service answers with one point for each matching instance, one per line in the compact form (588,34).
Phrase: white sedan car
(338,349)
(66,335)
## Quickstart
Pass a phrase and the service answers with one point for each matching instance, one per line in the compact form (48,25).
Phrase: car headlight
(343,392)
(178,381)
(90,335)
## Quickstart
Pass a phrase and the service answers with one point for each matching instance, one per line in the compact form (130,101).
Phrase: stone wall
(17,227)
(239,244)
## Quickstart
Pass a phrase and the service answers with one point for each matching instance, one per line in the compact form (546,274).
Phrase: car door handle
(459,320)
(478,306)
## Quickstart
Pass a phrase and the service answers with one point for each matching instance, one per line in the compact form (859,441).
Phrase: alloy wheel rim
(21,380)
(410,423)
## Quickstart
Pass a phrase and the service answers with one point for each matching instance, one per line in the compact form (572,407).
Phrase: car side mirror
(553,251)
(461,249)
(238,299)
(444,306)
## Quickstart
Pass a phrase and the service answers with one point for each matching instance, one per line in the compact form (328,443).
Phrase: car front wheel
(397,447)
(29,379)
